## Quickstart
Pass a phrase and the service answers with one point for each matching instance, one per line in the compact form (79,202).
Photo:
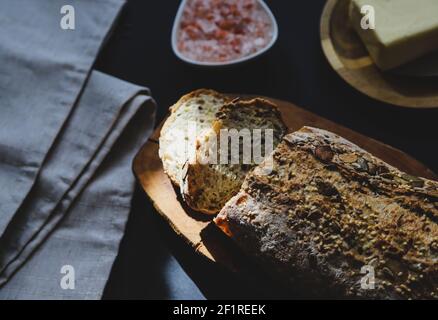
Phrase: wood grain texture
(349,58)
(197,229)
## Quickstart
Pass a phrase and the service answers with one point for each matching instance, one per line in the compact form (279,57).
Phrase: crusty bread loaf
(207,187)
(329,208)
(200,107)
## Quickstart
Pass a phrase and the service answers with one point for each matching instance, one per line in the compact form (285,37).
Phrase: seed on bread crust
(338,220)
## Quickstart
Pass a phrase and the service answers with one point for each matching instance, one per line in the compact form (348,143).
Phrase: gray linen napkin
(91,216)
(67,139)
(103,111)
(43,69)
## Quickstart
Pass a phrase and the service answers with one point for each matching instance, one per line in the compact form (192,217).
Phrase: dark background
(295,69)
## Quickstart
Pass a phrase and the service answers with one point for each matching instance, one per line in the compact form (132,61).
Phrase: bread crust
(329,209)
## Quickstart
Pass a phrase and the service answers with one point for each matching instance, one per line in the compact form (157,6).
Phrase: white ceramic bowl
(175,31)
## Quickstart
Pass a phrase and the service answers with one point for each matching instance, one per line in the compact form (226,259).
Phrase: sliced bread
(206,186)
(176,139)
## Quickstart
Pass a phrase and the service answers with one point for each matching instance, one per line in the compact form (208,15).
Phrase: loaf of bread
(198,107)
(207,186)
(339,221)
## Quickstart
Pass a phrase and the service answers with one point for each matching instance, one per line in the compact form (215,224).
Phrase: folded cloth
(103,111)
(43,69)
(89,211)
(67,139)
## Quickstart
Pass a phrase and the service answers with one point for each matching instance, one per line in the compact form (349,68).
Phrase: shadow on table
(151,256)
(145,268)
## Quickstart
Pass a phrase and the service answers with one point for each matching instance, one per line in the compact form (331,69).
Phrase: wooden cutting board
(197,229)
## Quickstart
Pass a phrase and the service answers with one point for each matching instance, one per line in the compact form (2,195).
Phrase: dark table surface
(295,69)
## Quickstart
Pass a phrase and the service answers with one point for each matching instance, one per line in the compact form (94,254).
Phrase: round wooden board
(348,56)
(197,229)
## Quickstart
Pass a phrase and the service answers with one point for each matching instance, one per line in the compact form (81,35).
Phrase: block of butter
(404,30)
